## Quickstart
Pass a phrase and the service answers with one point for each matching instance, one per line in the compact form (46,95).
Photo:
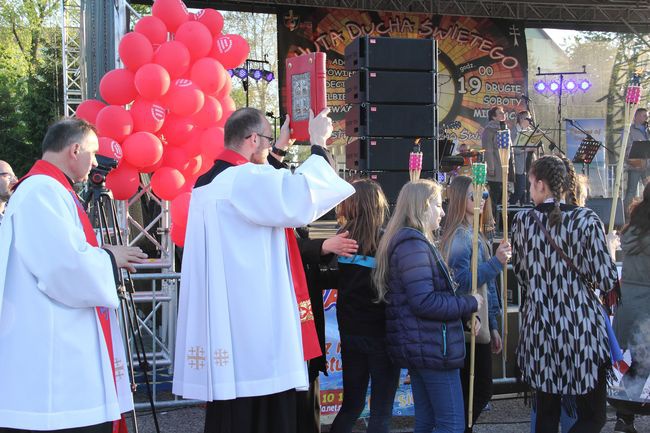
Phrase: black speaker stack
(393,100)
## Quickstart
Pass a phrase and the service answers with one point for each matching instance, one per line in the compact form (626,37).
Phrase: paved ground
(505,416)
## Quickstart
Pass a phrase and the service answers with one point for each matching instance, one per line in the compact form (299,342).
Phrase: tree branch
(15,33)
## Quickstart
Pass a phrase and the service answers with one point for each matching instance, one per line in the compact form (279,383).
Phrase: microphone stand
(551,145)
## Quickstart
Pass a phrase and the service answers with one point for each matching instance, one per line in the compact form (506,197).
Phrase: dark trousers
(308,408)
(275,413)
(590,410)
(106,427)
(495,195)
(365,359)
(520,190)
(482,381)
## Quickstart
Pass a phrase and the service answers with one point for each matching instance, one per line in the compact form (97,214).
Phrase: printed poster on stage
(482,62)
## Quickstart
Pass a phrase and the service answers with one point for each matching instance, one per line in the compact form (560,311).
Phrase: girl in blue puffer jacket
(424,316)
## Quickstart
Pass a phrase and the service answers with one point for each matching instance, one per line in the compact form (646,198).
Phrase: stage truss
(156,297)
(602,15)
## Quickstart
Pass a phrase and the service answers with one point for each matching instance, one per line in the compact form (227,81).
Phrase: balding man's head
(240,125)
(7,180)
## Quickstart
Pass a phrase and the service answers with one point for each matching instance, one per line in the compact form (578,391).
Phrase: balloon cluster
(168,105)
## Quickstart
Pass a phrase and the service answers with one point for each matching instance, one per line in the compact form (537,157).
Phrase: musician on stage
(521,157)
(496,115)
(637,169)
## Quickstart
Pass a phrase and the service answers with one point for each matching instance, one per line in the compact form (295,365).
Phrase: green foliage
(30,78)
(260,32)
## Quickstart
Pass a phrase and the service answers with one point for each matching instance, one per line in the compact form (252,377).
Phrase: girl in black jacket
(361,320)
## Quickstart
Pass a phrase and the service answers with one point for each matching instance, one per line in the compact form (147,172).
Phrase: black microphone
(569,120)
(525,97)
(530,119)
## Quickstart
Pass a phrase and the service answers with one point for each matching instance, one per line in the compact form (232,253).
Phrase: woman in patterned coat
(563,347)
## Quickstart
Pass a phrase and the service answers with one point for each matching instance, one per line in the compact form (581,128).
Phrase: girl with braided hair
(571,183)
(563,351)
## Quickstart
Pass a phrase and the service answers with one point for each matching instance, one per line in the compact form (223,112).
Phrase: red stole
(103,314)
(310,344)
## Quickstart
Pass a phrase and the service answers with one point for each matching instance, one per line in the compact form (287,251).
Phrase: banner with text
(331,386)
(482,62)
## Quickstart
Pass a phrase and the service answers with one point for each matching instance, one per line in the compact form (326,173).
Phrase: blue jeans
(438,399)
(365,359)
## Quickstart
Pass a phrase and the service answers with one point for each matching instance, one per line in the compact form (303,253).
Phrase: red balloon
(176,129)
(174,57)
(212,19)
(193,166)
(172,12)
(179,208)
(225,90)
(184,97)
(192,144)
(206,165)
(153,28)
(88,110)
(209,115)
(167,183)
(135,50)
(142,149)
(196,37)
(211,143)
(109,148)
(209,75)
(228,105)
(152,168)
(175,157)
(177,234)
(152,81)
(230,50)
(123,181)
(117,87)
(147,116)
(115,122)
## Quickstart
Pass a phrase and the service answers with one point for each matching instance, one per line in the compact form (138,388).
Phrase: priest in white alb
(62,363)
(245,324)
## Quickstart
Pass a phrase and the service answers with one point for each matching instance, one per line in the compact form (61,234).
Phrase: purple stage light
(554,86)
(585,85)
(231,72)
(541,87)
(269,76)
(570,86)
(256,74)
(241,73)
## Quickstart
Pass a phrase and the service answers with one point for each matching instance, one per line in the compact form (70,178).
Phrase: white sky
(559,36)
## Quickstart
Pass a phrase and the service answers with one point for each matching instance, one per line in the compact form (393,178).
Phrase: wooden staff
(632,99)
(479,172)
(503,142)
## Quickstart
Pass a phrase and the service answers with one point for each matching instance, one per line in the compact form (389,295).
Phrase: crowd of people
(250,335)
